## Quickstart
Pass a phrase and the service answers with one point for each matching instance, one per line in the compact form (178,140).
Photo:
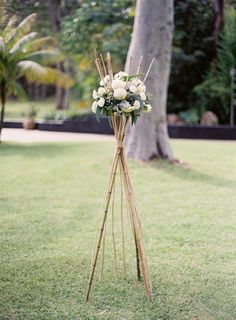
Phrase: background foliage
(197,82)
(214,92)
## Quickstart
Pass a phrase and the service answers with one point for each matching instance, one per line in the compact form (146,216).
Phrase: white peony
(94,106)
(133,89)
(136,105)
(120,74)
(118,84)
(95,95)
(101,102)
(120,94)
(148,108)
(101,91)
(143,96)
(105,81)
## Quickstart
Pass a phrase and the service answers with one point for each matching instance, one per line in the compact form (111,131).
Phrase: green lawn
(49,200)
(15,109)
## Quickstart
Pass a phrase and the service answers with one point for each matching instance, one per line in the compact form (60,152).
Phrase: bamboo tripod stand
(119,124)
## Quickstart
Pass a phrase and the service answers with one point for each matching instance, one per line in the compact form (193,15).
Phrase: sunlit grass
(49,200)
(15,110)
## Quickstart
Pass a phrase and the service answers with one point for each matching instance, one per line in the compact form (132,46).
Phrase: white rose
(105,81)
(120,94)
(95,95)
(118,84)
(120,74)
(101,91)
(94,106)
(101,102)
(136,105)
(143,96)
(133,89)
(148,108)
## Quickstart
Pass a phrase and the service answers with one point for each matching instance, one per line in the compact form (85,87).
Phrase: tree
(214,93)
(22,54)
(108,25)
(152,37)
(193,46)
(62,95)
(218,9)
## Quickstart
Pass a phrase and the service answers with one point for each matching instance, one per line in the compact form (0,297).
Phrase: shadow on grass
(192,175)
(35,149)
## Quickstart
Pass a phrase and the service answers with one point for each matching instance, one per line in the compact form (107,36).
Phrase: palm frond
(41,43)
(17,90)
(2,45)
(46,57)
(9,27)
(22,42)
(23,28)
(34,72)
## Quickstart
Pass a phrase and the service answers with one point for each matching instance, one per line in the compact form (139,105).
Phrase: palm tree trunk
(3,102)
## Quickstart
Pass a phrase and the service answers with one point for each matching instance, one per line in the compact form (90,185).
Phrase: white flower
(95,95)
(136,104)
(141,88)
(120,94)
(124,104)
(136,82)
(143,96)
(133,89)
(105,81)
(148,108)
(120,74)
(101,102)
(101,91)
(94,106)
(129,109)
(118,84)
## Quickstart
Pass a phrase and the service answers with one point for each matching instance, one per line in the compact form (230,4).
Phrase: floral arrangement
(121,94)
(122,98)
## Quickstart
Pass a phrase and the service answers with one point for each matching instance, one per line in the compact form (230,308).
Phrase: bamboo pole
(119,124)
(145,272)
(113,230)
(108,197)
(122,219)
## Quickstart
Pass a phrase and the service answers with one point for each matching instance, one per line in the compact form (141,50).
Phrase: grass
(50,195)
(15,109)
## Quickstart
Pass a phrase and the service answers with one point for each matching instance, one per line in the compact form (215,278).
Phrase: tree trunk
(152,37)
(62,95)
(3,102)
(218,9)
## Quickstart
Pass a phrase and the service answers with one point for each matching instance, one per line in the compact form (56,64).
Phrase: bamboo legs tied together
(119,124)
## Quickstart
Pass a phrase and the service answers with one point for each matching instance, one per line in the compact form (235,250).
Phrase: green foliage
(104,25)
(214,92)
(19,58)
(192,51)
(190,116)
